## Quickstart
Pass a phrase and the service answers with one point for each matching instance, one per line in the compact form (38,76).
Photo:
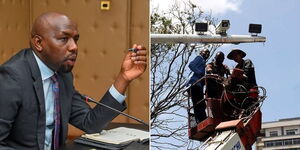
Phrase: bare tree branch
(169,73)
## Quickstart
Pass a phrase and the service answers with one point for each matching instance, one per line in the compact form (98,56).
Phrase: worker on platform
(197,66)
(217,67)
(244,64)
(214,86)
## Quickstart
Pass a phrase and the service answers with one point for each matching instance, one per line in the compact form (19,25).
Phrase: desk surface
(70,145)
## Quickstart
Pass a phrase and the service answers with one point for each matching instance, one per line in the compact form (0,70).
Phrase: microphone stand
(88,99)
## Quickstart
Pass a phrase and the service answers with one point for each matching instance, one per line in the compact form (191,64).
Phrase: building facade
(283,134)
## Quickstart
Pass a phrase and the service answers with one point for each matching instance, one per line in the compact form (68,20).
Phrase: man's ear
(36,42)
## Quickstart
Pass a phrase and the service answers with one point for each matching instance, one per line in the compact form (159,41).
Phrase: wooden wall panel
(14,27)
(139,33)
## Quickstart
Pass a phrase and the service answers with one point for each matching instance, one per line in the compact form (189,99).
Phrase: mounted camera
(222,27)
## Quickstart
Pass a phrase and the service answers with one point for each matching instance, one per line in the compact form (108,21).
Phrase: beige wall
(14,27)
(105,37)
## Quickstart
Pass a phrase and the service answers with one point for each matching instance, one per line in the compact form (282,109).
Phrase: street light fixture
(255,29)
(201,27)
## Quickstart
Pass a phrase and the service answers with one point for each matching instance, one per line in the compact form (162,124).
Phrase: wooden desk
(70,145)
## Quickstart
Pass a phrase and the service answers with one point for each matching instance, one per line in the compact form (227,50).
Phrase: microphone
(88,99)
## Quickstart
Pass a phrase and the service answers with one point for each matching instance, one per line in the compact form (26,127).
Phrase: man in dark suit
(37,97)
(197,66)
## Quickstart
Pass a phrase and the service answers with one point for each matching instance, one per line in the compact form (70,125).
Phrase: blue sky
(276,60)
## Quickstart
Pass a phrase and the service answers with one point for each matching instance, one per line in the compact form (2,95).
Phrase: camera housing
(222,27)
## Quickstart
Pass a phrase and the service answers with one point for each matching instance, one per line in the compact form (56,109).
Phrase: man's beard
(65,68)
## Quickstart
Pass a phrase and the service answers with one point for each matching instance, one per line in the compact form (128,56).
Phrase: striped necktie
(55,89)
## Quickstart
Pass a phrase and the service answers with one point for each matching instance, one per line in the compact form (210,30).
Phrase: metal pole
(186,38)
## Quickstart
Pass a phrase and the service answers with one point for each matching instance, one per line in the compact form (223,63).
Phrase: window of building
(288,142)
(291,131)
(273,133)
(278,143)
(296,141)
(269,144)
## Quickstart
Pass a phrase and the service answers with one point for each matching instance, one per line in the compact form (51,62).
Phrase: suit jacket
(198,68)
(22,105)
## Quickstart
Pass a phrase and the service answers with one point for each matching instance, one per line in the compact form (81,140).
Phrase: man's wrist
(121,84)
